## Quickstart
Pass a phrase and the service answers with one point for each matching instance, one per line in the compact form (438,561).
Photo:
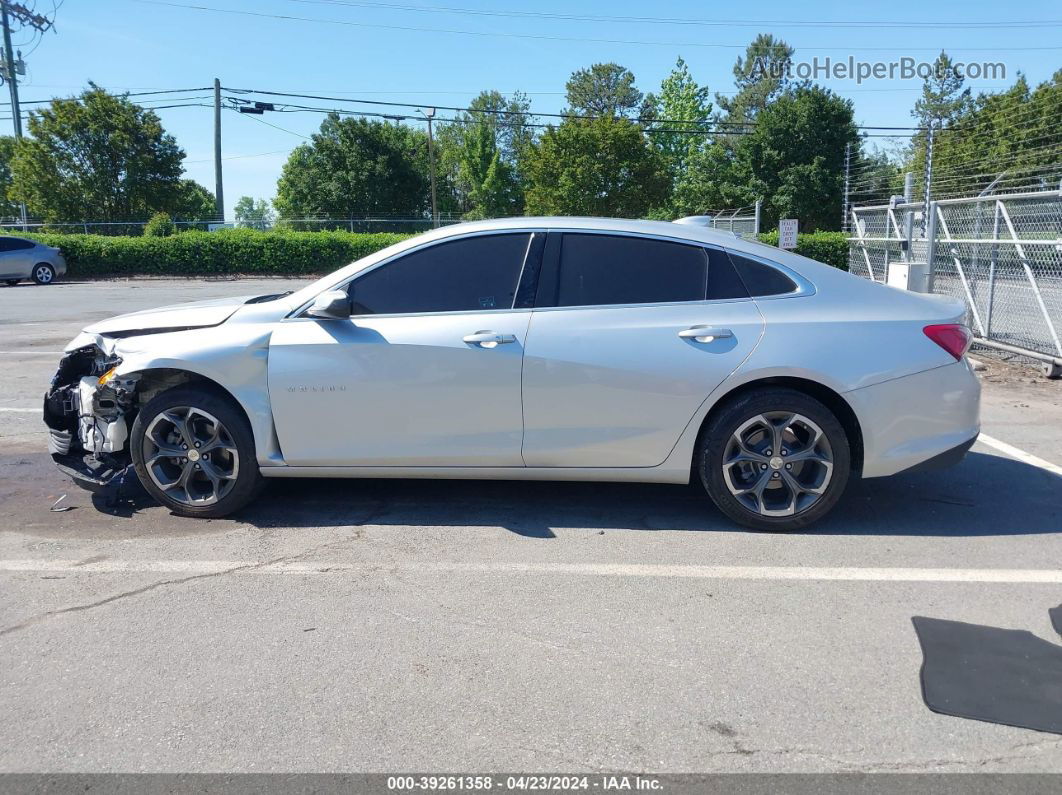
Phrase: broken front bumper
(87,420)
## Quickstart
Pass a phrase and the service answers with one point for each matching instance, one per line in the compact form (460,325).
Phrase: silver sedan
(22,258)
(531,348)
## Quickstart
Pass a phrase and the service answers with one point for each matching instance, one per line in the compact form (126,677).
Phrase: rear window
(760,279)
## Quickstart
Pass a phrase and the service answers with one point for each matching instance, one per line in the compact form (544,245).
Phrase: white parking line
(1020,455)
(814,573)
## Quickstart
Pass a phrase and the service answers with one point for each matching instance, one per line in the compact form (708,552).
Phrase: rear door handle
(488,339)
(705,333)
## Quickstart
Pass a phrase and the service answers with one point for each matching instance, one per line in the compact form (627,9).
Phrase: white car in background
(21,258)
(531,348)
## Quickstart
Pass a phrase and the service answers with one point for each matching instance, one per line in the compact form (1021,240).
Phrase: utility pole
(10,68)
(219,191)
(429,114)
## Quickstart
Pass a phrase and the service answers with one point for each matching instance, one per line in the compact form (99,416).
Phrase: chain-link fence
(1002,255)
(743,221)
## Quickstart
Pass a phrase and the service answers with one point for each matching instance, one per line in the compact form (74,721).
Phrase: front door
(426,372)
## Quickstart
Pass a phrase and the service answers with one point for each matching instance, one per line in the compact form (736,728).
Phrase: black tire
(43,273)
(718,440)
(12,282)
(247,480)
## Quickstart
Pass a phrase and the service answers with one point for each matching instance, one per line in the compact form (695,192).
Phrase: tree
(944,97)
(1013,135)
(492,186)
(356,167)
(760,76)
(9,208)
(603,167)
(605,89)
(96,157)
(254,214)
(794,157)
(508,123)
(683,108)
(195,203)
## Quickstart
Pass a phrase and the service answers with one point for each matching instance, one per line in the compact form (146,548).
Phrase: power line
(950,25)
(503,112)
(541,37)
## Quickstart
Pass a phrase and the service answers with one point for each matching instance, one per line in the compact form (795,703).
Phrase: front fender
(236,360)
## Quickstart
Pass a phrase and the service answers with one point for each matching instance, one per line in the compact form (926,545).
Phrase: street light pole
(429,114)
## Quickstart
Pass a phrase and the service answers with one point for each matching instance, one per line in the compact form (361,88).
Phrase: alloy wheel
(191,456)
(778,463)
(43,274)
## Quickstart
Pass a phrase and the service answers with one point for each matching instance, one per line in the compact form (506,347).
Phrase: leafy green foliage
(160,225)
(356,167)
(9,208)
(194,253)
(253,214)
(828,247)
(195,203)
(603,167)
(1013,134)
(760,76)
(468,184)
(605,89)
(96,157)
(794,157)
(684,108)
(493,190)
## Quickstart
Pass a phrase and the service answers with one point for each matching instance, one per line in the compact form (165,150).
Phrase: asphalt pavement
(499,626)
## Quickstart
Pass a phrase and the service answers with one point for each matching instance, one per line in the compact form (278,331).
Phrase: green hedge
(244,251)
(828,247)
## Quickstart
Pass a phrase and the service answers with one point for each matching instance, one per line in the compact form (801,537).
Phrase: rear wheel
(43,273)
(774,459)
(194,452)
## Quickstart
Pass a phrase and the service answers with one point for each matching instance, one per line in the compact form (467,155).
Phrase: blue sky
(367,50)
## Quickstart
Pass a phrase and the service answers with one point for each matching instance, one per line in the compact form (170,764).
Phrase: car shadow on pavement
(985,495)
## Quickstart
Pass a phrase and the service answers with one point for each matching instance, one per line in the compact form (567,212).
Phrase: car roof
(697,234)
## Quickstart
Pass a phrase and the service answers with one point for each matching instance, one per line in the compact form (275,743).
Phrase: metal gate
(1002,255)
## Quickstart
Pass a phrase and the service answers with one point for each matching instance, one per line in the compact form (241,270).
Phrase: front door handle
(705,333)
(488,339)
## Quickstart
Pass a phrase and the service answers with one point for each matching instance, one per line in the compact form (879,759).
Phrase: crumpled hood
(198,314)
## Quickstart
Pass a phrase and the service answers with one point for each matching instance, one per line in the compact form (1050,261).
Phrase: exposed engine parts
(89,410)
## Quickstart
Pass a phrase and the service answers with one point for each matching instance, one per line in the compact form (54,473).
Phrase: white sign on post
(787,233)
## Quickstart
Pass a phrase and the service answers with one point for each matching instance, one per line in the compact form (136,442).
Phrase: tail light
(955,338)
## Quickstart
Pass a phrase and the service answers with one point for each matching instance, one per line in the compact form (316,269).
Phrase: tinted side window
(606,269)
(460,276)
(760,279)
(18,244)
(723,279)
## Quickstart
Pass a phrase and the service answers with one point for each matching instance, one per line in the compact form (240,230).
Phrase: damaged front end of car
(89,410)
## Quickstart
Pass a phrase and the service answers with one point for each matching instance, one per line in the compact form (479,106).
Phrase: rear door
(629,336)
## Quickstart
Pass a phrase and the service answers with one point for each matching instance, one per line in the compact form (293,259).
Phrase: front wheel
(194,453)
(43,273)
(774,459)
